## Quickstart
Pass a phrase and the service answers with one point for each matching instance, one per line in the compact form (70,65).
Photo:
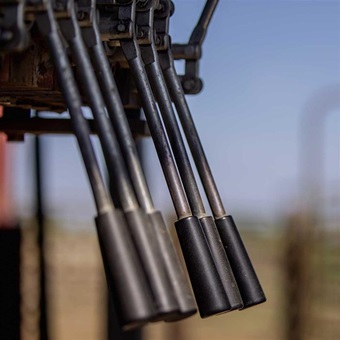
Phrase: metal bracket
(116,20)
(192,51)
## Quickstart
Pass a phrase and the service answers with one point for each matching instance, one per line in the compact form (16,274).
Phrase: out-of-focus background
(269,120)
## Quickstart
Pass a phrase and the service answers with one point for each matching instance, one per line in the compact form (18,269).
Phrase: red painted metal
(6,216)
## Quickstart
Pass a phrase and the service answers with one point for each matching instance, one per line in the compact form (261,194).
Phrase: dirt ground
(77,294)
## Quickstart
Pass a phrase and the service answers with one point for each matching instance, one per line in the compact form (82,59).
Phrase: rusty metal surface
(27,80)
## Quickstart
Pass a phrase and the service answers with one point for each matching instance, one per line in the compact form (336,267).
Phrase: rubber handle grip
(221,262)
(247,281)
(125,276)
(174,269)
(148,250)
(206,283)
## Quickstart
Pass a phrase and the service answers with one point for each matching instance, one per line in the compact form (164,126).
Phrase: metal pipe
(117,115)
(194,142)
(158,86)
(106,134)
(149,56)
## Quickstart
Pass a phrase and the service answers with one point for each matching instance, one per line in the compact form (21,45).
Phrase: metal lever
(124,274)
(140,228)
(248,283)
(154,72)
(207,285)
(179,283)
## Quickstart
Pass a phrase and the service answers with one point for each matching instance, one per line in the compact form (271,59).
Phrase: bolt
(58,6)
(188,84)
(158,40)
(142,3)
(121,28)
(160,7)
(6,36)
(81,15)
(140,33)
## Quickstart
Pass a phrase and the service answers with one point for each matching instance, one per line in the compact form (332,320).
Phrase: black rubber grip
(125,277)
(174,269)
(148,250)
(246,278)
(221,262)
(206,283)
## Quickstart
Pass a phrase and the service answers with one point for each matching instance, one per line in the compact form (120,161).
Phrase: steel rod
(133,300)
(72,98)
(207,285)
(132,53)
(199,32)
(119,121)
(247,280)
(150,57)
(114,159)
(140,228)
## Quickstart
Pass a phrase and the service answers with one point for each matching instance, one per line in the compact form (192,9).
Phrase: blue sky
(262,62)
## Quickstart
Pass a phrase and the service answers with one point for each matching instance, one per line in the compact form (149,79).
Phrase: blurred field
(77,294)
